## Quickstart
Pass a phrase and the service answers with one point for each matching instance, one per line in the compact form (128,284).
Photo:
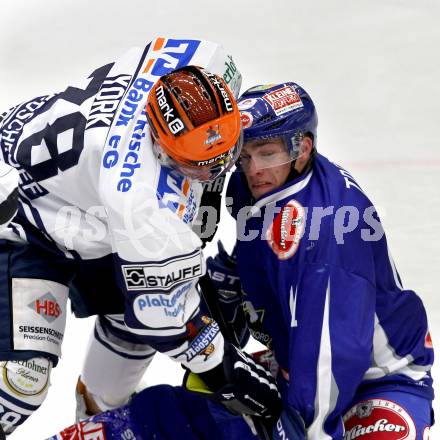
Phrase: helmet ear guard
(194,121)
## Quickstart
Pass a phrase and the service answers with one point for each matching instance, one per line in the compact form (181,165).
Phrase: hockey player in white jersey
(8,193)
(111,182)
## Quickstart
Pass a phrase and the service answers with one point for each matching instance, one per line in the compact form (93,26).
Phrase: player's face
(266,165)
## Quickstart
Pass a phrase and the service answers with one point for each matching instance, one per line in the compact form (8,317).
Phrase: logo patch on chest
(285,232)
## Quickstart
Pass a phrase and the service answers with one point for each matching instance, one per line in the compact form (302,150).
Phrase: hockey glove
(208,216)
(239,384)
(223,272)
(267,359)
(290,426)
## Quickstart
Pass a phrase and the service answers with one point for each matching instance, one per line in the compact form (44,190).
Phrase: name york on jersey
(107,101)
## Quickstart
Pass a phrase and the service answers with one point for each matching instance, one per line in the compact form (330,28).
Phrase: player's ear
(305,151)
(306,147)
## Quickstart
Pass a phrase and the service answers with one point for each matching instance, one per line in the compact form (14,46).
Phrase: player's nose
(253,168)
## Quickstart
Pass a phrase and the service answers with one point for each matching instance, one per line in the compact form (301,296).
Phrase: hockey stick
(209,293)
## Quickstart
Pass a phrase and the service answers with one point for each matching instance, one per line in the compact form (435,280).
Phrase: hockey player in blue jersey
(112,173)
(352,347)
(161,412)
(319,286)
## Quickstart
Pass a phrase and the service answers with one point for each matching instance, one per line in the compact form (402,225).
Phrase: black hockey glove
(241,385)
(208,216)
(222,270)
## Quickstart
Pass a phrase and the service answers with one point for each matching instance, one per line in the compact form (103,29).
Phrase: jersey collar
(290,190)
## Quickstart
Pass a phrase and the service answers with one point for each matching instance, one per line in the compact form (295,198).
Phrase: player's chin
(260,189)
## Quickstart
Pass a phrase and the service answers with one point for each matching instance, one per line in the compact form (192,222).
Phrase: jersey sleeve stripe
(325,381)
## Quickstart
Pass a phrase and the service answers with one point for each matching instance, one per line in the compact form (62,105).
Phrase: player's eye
(267,153)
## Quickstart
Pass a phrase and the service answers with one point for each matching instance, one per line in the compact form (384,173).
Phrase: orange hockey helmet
(195,123)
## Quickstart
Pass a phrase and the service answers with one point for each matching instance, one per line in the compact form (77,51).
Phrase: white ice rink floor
(371,66)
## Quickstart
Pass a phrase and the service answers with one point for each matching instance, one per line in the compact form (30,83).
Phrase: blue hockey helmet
(278,111)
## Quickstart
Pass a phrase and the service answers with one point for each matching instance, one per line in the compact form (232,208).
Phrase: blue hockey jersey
(323,292)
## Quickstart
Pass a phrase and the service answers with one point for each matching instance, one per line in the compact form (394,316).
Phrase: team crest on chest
(285,232)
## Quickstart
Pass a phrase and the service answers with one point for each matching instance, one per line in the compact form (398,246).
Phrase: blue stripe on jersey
(18,402)
(36,232)
(119,352)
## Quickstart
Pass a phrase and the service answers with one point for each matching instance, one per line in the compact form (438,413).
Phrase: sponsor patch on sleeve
(29,377)
(39,314)
(232,75)
(167,309)
(203,344)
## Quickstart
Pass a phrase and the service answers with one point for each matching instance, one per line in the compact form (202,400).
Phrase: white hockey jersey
(8,193)
(90,185)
